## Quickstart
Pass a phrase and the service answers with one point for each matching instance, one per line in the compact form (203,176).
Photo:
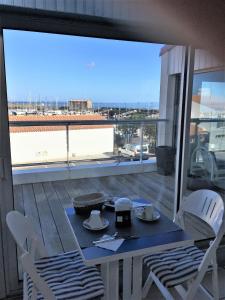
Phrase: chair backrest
(201,153)
(206,205)
(23,232)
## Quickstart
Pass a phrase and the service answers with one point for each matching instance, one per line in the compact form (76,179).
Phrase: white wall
(31,147)
(88,142)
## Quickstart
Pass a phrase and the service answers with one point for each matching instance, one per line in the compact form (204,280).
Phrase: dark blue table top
(140,246)
(148,234)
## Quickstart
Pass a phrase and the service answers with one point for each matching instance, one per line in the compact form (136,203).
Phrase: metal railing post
(67,145)
(141,142)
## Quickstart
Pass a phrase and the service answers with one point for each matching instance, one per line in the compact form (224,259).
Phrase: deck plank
(72,188)
(158,194)
(30,207)
(48,226)
(18,198)
(58,214)
(64,197)
(100,187)
(134,188)
(116,187)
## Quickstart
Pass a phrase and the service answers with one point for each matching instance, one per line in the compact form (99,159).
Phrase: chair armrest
(38,282)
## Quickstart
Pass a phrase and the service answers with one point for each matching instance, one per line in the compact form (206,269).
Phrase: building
(80,105)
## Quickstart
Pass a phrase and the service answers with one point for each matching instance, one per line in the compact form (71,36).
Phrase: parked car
(133,151)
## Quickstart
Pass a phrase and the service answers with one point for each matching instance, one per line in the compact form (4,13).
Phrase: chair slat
(206,205)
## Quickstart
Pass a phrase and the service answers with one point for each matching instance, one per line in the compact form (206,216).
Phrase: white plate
(139,215)
(87,226)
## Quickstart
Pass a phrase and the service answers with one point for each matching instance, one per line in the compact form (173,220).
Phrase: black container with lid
(123,207)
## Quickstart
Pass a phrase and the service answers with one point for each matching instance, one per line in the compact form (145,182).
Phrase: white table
(130,254)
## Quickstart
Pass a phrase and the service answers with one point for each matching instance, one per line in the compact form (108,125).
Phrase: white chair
(188,265)
(208,162)
(203,162)
(62,276)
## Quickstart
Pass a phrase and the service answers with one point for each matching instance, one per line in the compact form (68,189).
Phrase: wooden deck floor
(45,202)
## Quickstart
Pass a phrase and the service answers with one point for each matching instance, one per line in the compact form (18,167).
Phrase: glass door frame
(184,126)
(8,256)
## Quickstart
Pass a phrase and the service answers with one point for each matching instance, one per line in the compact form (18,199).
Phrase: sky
(52,67)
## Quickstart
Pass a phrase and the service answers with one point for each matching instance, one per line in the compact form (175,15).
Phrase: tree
(149,132)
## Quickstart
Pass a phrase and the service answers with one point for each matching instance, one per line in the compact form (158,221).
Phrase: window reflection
(207,134)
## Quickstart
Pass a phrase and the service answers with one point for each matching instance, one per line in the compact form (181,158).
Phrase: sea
(127,105)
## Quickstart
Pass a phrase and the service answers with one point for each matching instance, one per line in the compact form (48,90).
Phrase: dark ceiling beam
(200,23)
(64,23)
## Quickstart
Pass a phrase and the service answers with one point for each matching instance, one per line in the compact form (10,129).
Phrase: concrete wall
(83,171)
(31,147)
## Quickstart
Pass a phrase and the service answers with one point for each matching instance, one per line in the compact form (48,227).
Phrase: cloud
(91,65)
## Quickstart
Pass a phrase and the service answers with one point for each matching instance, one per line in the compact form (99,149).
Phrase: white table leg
(110,275)
(127,278)
(105,277)
(114,280)
(137,278)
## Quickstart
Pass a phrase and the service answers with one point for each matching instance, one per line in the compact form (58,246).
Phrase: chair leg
(147,286)
(164,291)
(215,282)
(193,287)
(25,294)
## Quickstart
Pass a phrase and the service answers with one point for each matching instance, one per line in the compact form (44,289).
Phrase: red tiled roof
(14,129)
(56,117)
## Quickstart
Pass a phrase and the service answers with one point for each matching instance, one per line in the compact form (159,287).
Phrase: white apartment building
(37,144)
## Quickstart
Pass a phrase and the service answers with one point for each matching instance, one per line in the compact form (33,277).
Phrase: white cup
(95,220)
(148,212)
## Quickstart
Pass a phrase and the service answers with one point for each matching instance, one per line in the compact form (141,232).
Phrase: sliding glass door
(206,159)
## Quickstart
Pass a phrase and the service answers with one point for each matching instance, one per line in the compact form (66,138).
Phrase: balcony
(43,189)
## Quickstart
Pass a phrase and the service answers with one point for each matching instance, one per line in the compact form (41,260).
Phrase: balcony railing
(80,142)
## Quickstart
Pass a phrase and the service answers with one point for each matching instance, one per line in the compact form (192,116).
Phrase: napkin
(111,245)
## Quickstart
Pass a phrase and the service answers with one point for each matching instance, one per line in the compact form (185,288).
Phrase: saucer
(139,215)
(105,224)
